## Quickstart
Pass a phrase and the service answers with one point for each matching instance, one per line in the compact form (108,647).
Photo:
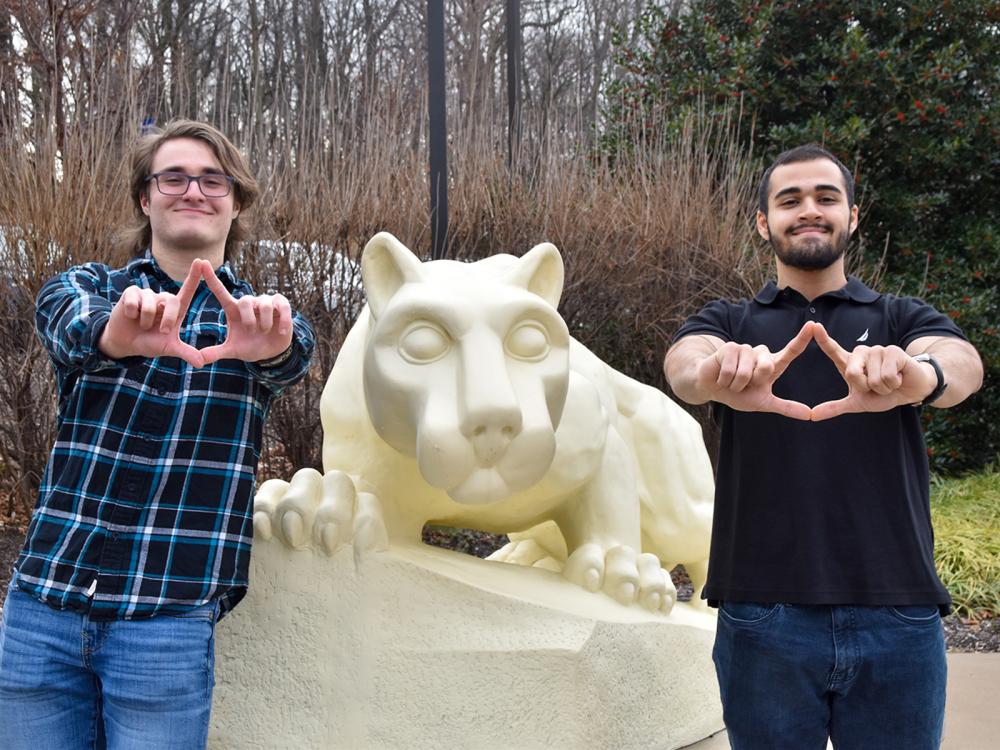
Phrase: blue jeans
(869,678)
(68,683)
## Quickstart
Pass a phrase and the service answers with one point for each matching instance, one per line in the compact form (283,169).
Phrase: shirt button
(812,310)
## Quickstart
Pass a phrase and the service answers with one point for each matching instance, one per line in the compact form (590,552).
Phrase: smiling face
(190,225)
(809,220)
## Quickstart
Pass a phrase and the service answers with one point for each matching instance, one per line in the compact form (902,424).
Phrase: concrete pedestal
(423,648)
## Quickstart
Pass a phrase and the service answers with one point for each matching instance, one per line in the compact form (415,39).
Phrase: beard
(810,253)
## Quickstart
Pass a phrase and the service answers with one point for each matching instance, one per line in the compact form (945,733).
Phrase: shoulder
(89,276)
(912,317)
(717,318)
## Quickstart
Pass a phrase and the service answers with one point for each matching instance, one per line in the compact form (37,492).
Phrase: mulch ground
(961,636)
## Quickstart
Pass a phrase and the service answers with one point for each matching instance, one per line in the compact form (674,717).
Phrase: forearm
(295,367)
(69,319)
(681,366)
(960,362)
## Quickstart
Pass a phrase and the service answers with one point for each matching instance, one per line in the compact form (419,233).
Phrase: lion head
(466,365)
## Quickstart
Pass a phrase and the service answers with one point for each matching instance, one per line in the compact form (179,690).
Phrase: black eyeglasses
(177,183)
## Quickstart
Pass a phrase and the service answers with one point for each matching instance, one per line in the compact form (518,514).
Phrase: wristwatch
(941,386)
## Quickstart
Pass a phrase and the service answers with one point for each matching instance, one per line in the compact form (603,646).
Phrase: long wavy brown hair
(245,187)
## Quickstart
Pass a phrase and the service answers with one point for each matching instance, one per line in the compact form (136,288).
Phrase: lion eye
(528,341)
(424,343)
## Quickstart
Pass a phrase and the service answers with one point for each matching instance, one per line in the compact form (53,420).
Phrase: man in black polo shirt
(822,561)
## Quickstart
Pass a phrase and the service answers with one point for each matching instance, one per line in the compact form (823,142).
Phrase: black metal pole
(438,134)
(513,79)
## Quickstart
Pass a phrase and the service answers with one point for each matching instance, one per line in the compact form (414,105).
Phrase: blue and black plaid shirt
(145,506)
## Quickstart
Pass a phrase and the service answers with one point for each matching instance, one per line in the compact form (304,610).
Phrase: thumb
(831,409)
(186,352)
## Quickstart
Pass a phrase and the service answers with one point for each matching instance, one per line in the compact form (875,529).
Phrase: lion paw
(321,510)
(527,552)
(623,574)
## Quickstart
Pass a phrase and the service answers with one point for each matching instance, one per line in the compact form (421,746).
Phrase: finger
(795,347)
(130,302)
(708,372)
(831,409)
(283,315)
(856,371)
(787,408)
(190,286)
(744,371)
(873,369)
(893,363)
(149,308)
(833,350)
(188,353)
(212,354)
(217,288)
(763,371)
(729,362)
(265,313)
(170,309)
(246,307)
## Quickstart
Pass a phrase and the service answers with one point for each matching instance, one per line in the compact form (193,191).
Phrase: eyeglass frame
(191,178)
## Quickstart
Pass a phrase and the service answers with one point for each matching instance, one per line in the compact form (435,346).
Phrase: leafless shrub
(646,239)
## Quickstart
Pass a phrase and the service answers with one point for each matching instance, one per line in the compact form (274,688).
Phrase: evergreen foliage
(905,93)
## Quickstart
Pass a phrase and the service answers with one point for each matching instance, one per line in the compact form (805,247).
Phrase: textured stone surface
(425,648)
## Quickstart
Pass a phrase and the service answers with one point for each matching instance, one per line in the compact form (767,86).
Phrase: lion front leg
(603,537)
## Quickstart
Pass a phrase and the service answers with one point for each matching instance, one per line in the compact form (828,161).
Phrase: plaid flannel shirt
(145,505)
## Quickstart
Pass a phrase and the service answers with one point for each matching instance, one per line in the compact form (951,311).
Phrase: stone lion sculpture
(460,398)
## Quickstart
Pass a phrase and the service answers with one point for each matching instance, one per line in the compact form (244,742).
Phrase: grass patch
(966,515)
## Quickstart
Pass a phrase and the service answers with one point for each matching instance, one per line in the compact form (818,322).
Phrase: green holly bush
(904,93)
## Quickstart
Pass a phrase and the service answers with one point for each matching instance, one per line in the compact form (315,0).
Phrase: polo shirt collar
(146,263)
(853,290)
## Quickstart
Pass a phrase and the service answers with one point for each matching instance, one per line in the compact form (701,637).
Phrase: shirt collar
(853,290)
(147,263)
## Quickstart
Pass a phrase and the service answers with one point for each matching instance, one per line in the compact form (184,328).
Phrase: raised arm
(882,378)
(81,328)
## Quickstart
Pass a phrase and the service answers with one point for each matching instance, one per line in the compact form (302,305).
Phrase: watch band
(941,386)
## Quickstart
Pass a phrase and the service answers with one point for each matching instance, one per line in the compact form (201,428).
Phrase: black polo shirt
(832,512)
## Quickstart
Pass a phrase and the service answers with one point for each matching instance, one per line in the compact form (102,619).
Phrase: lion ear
(387,264)
(540,271)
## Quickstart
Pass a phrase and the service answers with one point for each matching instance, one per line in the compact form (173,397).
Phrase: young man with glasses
(141,535)
(822,557)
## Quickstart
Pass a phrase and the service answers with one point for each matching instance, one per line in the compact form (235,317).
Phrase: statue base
(419,647)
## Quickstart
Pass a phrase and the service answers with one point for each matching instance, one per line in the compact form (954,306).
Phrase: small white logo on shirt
(863,336)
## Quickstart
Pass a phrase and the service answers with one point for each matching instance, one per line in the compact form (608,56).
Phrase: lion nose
(492,433)
(490,443)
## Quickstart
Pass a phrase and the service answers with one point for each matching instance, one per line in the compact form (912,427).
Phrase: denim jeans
(68,683)
(869,678)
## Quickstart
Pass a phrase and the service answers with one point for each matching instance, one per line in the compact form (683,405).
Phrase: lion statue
(460,398)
